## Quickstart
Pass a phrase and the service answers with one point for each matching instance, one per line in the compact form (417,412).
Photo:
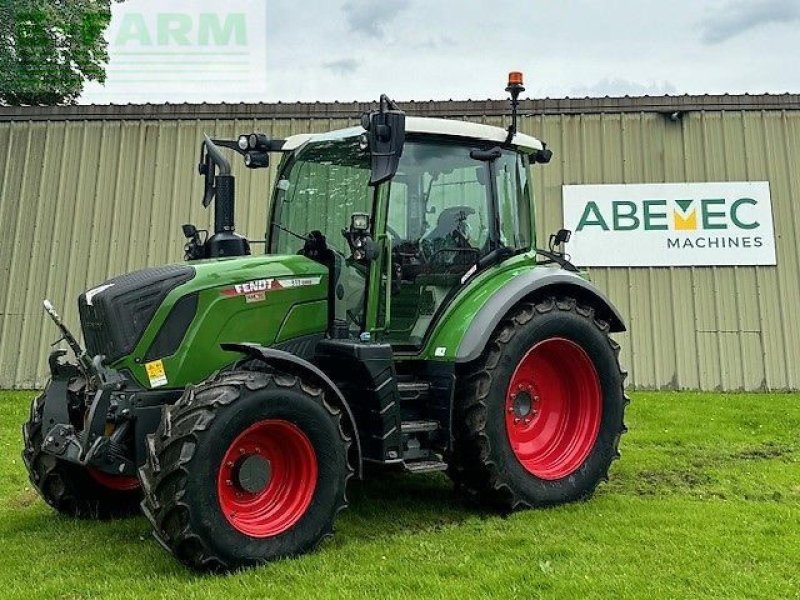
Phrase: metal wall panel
(83,199)
(711,328)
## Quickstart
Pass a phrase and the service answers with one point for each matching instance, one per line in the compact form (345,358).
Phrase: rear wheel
(539,415)
(245,468)
(69,488)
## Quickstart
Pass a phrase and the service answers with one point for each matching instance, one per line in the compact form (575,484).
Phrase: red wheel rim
(114,482)
(553,409)
(286,453)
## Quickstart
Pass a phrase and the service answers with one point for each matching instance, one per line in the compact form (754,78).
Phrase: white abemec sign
(670,224)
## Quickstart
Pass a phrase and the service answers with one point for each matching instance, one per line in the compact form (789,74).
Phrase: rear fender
(298,366)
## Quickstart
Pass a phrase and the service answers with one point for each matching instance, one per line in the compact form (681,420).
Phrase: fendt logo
(670,224)
(256,290)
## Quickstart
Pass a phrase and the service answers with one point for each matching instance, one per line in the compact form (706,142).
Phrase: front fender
(301,367)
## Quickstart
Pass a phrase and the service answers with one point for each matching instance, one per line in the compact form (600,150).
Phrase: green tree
(50,48)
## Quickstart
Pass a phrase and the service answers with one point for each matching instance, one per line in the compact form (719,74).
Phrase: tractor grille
(114,321)
(95,333)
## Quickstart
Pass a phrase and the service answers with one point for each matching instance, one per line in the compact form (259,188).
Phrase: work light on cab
(258,142)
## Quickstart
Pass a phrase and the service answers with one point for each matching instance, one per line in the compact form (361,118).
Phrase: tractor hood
(115,314)
(157,314)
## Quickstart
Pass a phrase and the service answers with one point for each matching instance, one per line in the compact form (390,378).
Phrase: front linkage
(86,431)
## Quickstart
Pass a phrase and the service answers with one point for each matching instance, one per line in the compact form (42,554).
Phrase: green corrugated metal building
(93,191)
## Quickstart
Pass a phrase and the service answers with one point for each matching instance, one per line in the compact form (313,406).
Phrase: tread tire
(482,464)
(179,475)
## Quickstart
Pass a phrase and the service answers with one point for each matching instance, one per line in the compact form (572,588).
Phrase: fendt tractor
(400,318)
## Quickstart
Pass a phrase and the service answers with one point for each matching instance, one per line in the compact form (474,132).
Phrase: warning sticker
(156,373)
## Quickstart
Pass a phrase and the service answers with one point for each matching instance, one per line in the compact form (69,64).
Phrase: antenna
(515,88)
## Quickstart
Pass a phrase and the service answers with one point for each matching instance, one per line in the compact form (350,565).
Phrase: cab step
(426,466)
(413,390)
(419,426)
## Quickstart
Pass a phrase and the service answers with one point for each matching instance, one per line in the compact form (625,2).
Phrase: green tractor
(400,318)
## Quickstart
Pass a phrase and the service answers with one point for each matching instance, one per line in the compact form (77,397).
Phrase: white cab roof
(425,125)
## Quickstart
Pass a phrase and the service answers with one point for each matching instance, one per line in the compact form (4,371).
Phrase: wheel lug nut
(229,464)
(516,420)
(229,482)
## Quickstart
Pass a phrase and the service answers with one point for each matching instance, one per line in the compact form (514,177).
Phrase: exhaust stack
(221,188)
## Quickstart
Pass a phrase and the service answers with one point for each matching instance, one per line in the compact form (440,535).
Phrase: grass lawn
(705,503)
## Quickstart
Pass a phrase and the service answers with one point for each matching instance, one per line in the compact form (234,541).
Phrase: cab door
(319,190)
(447,207)
(438,220)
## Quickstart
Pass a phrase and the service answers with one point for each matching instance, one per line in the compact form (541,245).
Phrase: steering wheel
(454,259)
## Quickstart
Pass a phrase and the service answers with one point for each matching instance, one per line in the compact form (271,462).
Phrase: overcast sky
(438,49)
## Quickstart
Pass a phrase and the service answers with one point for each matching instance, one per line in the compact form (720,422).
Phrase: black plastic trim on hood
(115,314)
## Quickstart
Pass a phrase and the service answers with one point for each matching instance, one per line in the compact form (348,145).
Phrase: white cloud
(737,17)
(624,87)
(344,66)
(372,17)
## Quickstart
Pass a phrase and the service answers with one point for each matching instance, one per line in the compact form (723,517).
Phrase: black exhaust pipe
(221,187)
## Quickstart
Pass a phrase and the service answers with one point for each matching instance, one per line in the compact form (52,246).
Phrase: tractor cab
(402,211)
(458,202)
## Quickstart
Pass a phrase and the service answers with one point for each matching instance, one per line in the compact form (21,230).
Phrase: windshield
(319,189)
(322,186)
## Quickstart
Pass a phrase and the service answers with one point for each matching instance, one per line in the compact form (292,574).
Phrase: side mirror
(189,230)
(386,136)
(562,236)
(543,156)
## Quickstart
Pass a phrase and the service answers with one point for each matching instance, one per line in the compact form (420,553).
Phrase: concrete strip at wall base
(90,192)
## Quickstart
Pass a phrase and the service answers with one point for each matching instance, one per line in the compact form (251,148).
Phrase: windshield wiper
(556,257)
(290,232)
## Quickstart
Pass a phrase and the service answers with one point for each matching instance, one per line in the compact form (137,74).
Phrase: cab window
(439,220)
(512,201)
(320,191)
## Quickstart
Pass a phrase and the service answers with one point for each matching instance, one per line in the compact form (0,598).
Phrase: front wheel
(245,468)
(539,415)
